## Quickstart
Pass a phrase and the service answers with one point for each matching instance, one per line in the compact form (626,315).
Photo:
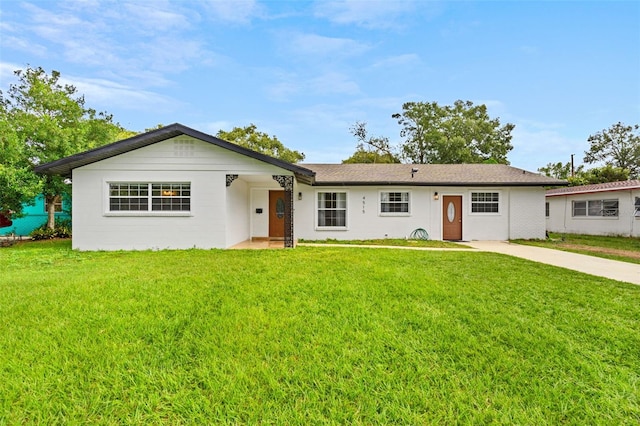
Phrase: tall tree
(618,146)
(19,185)
(559,170)
(458,133)
(50,121)
(581,176)
(603,174)
(370,149)
(249,137)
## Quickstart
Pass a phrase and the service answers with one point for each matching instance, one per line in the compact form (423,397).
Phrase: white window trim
(593,217)
(315,211)
(393,214)
(148,213)
(500,202)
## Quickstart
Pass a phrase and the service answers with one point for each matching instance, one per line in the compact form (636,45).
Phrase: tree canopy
(581,176)
(560,170)
(43,120)
(617,146)
(249,137)
(450,134)
(370,149)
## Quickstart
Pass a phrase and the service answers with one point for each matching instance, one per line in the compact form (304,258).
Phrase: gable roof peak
(64,166)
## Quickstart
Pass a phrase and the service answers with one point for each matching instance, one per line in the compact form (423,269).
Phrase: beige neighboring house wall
(601,209)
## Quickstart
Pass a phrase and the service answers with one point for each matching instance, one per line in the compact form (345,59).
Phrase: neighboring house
(35,215)
(176,187)
(602,209)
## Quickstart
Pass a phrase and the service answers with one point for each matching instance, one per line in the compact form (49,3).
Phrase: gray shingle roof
(428,174)
(598,187)
(324,174)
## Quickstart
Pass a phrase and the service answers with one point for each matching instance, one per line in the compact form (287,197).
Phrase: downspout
(564,216)
(633,212)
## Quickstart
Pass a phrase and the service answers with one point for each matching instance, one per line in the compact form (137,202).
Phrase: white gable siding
(561,217)
(219,214)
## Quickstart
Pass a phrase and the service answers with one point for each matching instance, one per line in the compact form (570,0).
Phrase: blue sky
(306,71)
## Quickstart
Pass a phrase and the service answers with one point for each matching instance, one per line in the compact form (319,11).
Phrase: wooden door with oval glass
(452,217)
(276,214)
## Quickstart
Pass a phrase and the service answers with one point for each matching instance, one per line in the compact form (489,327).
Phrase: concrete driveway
(613,269)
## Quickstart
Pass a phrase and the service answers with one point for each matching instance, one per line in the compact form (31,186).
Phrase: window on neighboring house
(546,209)
(144,197)
(57,206)
(595,208)
(636,206)
(394,202)
(332,209)
(485,202)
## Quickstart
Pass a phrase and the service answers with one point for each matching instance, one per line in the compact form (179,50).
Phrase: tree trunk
(51,201)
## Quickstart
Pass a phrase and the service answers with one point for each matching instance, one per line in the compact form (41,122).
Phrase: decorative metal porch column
(286,182)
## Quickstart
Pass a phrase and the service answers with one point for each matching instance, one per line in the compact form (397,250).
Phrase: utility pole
(573,170)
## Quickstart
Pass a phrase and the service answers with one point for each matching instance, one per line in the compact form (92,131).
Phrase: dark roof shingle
(598,187)
(428,174)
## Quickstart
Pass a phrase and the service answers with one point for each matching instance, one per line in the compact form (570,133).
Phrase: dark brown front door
(452,217)
(276,214)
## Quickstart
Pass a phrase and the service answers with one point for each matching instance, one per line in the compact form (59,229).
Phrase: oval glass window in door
(451,212)
(280,208)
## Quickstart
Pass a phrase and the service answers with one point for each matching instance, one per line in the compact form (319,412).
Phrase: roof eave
(64,166)
(405,183)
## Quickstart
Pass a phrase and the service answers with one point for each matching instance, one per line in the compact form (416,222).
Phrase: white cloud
(292,84)
(408,59)
(117,95)
(7,76)
(156,16)
(317,45)
(333,82)
(213,127)
(536,144)
(368,14)
(24,44)
(239,11)
(137,43)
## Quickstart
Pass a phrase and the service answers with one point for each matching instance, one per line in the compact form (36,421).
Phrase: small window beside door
(485,202)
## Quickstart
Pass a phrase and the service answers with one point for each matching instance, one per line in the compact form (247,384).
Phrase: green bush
(61,230)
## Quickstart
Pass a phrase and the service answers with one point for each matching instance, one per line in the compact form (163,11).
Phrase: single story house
(34,216)
(601,209)
(179,188)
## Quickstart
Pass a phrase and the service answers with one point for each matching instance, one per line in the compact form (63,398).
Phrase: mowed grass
(312,335)
(625,249)
(390,242)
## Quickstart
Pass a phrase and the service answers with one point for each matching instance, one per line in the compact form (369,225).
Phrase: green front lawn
(389,242)
(626,249)
(312,335)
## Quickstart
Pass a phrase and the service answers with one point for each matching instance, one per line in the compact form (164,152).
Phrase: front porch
(260,244)
(260,210)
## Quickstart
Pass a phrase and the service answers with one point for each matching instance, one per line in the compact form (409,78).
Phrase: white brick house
(176,187)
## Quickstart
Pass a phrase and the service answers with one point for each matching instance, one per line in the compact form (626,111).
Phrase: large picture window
(595,208)
(332,209)
(144,197)
(394,202)
(485,202)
